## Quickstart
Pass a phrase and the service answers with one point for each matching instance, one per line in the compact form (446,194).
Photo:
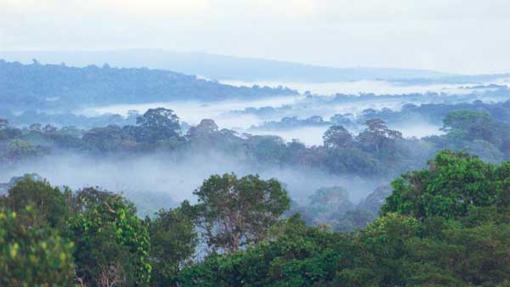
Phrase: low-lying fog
(244,116)
(175,176)
(357,87)
(193,112)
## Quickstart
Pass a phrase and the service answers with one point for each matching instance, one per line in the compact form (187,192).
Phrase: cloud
(451,35)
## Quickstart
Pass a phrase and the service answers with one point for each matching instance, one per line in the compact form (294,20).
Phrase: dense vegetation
(431,113)
(58,87)
(375,151)
(446,225)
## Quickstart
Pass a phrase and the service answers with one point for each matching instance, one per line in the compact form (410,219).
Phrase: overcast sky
(467,36)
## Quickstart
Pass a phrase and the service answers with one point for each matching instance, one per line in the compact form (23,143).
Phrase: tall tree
(237,211)
(469,125)
(158,124)
(49,201)
(112,243)
(453,184)
(337,137)
(378,138)
(173,242)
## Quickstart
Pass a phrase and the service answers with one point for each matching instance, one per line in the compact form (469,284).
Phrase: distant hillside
(37,86)
(221,67)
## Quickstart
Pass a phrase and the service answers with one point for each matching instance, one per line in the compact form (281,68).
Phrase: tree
(237,211)
(112,243)
(443,226)
(49,201)
(270,149)
(3,123)
(35,127)
(469,125)
(108,139)
(454,184)
(173,242)
(205,128)
(296,255)
(49,129)
(378,138)
(337,137)
(20,149)
(385,239)
(158,124)
(32,253)
(328,204)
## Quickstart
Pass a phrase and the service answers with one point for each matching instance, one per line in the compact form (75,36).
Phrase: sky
(460,36)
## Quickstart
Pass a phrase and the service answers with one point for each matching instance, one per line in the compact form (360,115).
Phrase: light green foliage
(33,253)
(112,243)
(443,226)
(447,225)
(452,185)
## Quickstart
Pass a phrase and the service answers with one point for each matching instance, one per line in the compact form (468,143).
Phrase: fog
(175,176)
(192,112)
(357,87)
(249,116)
(307,135)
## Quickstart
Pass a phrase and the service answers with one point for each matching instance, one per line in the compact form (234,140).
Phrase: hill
(37,86)
(221,67)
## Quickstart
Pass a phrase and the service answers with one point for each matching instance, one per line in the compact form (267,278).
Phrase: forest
(60,88)
(224,143)
(440,224)
(443,225)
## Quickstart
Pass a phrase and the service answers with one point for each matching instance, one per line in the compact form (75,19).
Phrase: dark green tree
(469,125)
(157,124)
(378,138)
(49,201)
(337,137)
(173,242)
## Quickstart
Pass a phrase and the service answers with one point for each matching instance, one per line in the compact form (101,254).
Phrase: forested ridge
(61,88)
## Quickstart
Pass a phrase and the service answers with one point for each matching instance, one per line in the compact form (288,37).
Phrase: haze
(445,35)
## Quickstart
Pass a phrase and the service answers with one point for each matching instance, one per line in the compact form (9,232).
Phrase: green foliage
(377,137)
(444,226)
(173,243)
(468,125)
(18,149)
(29,86)
(237,211)
(337,137)
(112,243)
(293,257)
(453,184)
(32,253)
(49,201)
(157,125)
